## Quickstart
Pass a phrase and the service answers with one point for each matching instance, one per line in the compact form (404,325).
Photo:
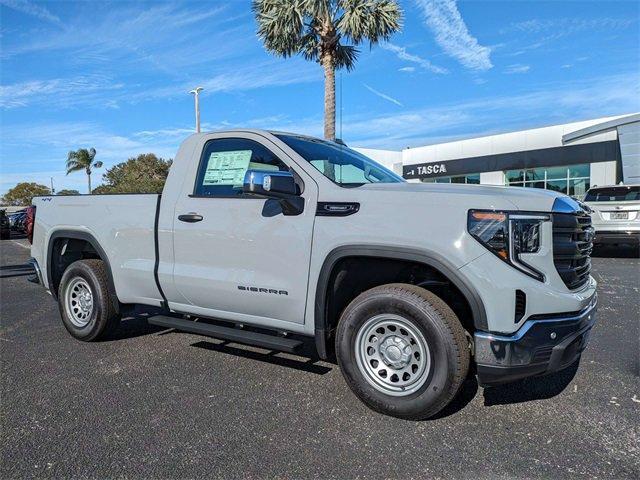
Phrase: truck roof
(255,130)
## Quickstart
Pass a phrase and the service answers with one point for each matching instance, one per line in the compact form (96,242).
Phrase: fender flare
(91,240)
(431,259)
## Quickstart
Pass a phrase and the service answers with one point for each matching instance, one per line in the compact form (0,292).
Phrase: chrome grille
(572,246)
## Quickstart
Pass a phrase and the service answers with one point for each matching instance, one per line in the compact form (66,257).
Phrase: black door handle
(190,217)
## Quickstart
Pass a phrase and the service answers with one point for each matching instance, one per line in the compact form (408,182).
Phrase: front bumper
(541,346)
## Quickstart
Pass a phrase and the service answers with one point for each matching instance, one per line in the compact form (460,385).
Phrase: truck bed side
(122,226)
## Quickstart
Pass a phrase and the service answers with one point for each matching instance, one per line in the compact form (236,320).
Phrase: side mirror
(276,185)
(270,183)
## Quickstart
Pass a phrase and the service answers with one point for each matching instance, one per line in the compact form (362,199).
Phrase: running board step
(271,342)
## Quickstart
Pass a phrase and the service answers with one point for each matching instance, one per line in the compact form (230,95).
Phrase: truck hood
(526,199)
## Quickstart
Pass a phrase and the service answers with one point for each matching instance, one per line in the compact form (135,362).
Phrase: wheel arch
(427,258)
(89,239)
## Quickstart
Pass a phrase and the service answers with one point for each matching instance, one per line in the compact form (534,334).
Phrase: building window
(473,179)
(573,180)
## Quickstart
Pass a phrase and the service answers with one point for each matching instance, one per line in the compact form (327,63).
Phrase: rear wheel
(402,351)
(85,303)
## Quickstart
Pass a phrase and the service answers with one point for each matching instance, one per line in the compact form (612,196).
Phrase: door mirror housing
(274,184)
(270,183)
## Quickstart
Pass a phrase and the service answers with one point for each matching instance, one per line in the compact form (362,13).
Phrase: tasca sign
(424,170)
(608,150)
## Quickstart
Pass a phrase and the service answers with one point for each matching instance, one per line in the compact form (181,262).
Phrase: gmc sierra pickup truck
(264,237)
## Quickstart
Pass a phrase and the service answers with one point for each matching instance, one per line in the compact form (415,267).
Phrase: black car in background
(17,221)
(5,227)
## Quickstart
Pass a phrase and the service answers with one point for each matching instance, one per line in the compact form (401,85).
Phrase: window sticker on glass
(227,168)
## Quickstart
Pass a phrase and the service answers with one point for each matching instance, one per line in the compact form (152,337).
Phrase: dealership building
(567,158)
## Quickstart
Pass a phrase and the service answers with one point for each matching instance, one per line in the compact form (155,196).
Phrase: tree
(145,173)
(23,193)
(316,29)
(82,159)
(68,192)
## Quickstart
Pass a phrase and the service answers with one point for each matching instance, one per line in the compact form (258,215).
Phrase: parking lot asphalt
(156,404)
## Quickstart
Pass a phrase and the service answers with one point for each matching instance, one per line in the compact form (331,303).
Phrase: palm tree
(316,29)
(82,159)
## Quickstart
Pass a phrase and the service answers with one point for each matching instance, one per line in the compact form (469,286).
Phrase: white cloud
(249,76)
(544,32)
(566,26)
(263,74)
(32,9)
(59,92)
(382,95)
(551,103)
(452,34)
(180,133)
(517,68)
(102,92)
(188,45)
(407,69)
(397,131)
(181,37)
(402,54)
(167,133)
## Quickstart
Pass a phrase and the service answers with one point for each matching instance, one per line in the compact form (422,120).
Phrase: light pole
(196,93)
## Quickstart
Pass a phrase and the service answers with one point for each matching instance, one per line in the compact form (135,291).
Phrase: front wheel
(402,351)
(86,306)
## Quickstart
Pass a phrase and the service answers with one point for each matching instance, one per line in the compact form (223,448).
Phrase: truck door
(241,259)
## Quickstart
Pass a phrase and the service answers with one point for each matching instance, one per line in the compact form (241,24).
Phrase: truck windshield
(338,163)
(613,194)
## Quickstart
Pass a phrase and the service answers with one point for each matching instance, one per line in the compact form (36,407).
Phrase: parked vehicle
(283,236)
(17,221)
(616,213)
(5,227)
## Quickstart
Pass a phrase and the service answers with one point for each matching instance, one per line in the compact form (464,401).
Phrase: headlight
(509,235)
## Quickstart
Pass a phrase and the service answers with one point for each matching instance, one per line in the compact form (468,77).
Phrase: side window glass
(225,161)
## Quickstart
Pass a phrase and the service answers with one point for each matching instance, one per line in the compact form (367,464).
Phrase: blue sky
(115,76)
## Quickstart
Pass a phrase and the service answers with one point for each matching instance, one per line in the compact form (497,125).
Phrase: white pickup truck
(268,237)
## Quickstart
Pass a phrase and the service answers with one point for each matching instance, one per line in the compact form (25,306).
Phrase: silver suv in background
(616,213)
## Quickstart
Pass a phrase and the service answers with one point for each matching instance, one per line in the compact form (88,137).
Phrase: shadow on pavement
(271,357)
(536,388)
(467,393)
(616,251)
(134,326)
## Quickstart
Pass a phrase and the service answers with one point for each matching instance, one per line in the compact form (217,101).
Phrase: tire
(424,324)
(86,306)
